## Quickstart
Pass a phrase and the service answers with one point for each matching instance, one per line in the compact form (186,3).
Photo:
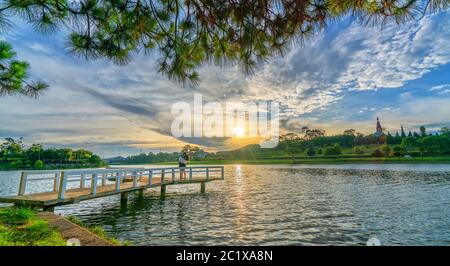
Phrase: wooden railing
(103,177)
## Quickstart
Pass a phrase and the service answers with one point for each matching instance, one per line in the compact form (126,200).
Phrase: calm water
(283,205)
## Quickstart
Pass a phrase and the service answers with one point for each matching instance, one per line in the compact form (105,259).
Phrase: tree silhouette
(403,132)
(311,133)
(423,131)
(349,132)
(186,34)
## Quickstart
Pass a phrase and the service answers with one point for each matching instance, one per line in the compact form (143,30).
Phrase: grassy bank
(321,160)
(99,231)
(21,227)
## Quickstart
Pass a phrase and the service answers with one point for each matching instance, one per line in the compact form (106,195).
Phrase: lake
(400,204)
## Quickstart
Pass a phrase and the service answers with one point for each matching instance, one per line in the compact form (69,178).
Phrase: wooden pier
(73,186)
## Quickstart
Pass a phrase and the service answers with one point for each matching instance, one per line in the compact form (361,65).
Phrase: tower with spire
(379,129)
(379,134)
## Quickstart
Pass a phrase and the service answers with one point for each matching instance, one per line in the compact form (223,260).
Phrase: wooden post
(117,182)
(135,179)
(62,186)
(202,187)
(162,175)
(190,173)
(94,184)
(104,175)
(173,174)
(163,191)
(141,174)
(23,183)
(150,175)
(124,197)
(82,181)
(207,173)
(223,172)
(56,182)
(141,193)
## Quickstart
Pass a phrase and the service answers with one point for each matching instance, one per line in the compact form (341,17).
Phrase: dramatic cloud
(332,81)
(355,58)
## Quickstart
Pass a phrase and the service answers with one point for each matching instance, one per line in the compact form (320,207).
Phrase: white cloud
(392,57)
(357,58)
(441,89)
(40,48)
(415,112)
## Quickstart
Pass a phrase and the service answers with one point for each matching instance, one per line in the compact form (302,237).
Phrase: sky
(343,77)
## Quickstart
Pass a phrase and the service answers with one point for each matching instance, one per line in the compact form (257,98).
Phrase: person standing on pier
(182,162)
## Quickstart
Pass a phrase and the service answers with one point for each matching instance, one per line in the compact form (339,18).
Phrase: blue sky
(343,77)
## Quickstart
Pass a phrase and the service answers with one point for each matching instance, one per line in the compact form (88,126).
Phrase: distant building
(379,133)
(379,129)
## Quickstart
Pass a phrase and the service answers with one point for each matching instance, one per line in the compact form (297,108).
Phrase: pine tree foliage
(13,74)
(185,34)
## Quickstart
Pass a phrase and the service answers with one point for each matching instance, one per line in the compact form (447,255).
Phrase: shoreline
(70,230)
(367,160)
(277,161)
(5,169)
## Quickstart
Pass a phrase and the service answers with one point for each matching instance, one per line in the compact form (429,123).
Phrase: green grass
(21,227)
(16,216)
(99,231)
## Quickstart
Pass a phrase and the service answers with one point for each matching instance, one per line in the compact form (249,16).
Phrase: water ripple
(282,205)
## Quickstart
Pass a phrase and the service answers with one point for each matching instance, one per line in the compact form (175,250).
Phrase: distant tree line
(150,158)
(15,155)
(194,153)
(314,142)
(424,144)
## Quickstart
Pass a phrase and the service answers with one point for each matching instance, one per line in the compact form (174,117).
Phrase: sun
(239,131)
